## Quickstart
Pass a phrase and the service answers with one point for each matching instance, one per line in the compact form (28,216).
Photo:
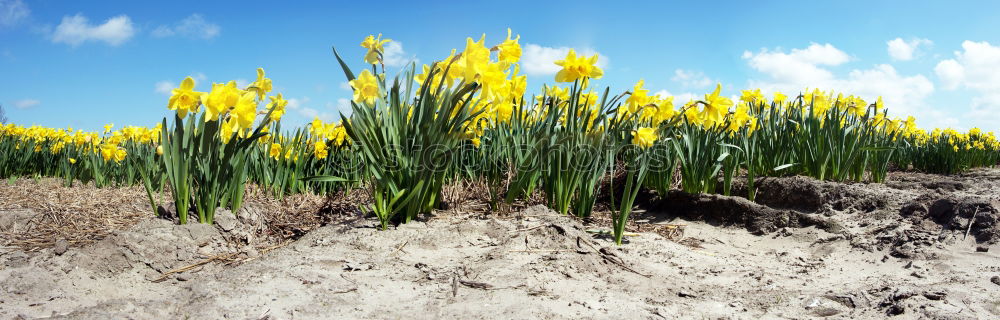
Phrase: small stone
(995,280)
(61,246)
(825,311)
(183,277)
(938,295)
(225,220)
(685,294)
(982,249)
(206,251)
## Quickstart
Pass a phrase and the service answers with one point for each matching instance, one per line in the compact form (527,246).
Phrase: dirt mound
(155,244)
(155,247)
(925,303)
(724,210)
(958,216)
(810,195)
(558,238)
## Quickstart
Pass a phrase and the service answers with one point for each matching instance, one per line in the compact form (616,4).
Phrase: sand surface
(905,248)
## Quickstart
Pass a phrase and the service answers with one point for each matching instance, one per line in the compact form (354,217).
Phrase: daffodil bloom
(578,67)
(184,98)
(244,112)
(220,99)
(779,97)
(120,155)
(109,151)
(856,106)
(338,134)
(365,87)
(262,85)
(691,114)
(227,129)
(517,85)
(107,127)
(420,78)
(316,127)
(739,118)
(275,151)
(715,107)
(494,81)
(639,97)
(72,161)
(159,150)
(752,96)
(504,110)
(277,107)
(319,150)
(375,48)
(644,137)
(475,58)
(510,50)
(664,110)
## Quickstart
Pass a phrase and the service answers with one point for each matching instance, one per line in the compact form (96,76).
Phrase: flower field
(470,116)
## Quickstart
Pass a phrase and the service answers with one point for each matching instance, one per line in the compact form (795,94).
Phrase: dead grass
(80,214)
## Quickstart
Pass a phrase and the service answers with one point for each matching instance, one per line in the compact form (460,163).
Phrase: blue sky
(87,63)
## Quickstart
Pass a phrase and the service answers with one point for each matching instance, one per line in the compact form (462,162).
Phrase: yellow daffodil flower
(375,48)
(275,151)
(365,87)
(184,98)
(277,107)
(716,106)
(644,137)
(578,67)
(510,50)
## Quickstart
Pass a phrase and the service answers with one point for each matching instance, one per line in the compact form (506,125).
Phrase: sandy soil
(918,246)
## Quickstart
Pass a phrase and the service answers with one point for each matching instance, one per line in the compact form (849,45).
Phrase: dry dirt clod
(61,246)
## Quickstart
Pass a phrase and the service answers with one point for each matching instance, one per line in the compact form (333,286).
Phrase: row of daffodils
(468,117)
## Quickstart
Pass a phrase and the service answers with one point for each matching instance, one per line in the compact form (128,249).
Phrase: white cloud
(296,103)
(12,12)
(307,109)
(395,56)
(310,113)
(346,86)
(799,66)
(537,60)
(679,99)
(194,26)
(792,72)
(691,79)
(165,87)
(344,105)
(26,103)
(951,73)
(77,29)
(975,68)
(903,50)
